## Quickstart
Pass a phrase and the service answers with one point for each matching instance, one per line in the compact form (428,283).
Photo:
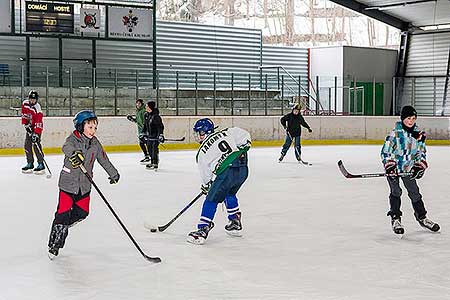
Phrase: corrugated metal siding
(183,47)
(190,47)
(428,56)
(294,60)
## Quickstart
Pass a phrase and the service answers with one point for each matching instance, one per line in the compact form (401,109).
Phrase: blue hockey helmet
(202,128)
(81,117)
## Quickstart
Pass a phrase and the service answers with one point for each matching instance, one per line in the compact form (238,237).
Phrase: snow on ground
(309,233)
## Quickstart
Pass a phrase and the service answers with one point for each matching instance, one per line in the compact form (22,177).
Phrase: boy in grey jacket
(81,147)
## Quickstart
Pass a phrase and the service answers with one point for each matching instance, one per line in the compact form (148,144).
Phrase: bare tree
(290,30)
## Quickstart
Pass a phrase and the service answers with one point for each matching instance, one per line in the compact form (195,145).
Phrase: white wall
(119,131)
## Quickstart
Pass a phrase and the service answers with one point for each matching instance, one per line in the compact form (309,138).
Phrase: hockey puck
(153,230)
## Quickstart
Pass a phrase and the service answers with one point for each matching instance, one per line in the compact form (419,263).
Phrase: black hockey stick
(167,139)
(297,151)
(367,175)
(151,259)
(49,175)
(164,227)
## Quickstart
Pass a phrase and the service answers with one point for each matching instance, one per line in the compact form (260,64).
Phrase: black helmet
(33,95)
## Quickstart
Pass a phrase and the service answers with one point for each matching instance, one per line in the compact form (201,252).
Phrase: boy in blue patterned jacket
(404,151)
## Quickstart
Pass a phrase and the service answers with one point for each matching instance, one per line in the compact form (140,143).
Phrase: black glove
(161,138)
(35,138)
(143,138)
(419,135)
(131,118)
(28,128)
(419,169)
(390,168)
(205,188)
(115,179)
(309,130)
(76,159)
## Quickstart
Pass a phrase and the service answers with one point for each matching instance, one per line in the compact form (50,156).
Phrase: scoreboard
(49,17)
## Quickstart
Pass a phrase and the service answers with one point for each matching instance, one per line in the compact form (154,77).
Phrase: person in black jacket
(292,123)
(152,133)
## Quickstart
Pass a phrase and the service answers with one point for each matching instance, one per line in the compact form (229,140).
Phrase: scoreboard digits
(49,17)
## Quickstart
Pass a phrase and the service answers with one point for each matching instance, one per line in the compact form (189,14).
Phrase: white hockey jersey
(219,150)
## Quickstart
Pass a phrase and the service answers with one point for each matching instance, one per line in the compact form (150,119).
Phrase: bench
(4,71)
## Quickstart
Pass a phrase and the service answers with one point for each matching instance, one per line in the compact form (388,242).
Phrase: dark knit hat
(151,104)
(408,111)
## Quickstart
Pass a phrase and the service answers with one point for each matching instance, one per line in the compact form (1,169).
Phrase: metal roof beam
(376,14)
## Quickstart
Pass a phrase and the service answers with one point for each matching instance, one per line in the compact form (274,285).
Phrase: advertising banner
(89,20)
(130,23)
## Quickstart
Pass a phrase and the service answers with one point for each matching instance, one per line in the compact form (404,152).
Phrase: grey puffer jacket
(73,180)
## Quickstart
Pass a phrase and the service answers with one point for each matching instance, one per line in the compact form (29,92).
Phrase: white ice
(309,233)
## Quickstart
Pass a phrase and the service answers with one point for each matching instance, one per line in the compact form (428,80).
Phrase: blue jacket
(403,148)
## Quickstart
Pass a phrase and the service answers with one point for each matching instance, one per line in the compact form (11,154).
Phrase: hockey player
(32,120)
(223,155)
(152,134)
(292,123)
(74,186)
(404,151)
(138,118)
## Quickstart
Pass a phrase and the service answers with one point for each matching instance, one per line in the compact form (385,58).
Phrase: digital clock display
(49,17)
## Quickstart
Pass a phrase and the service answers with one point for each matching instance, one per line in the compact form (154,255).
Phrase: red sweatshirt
(32,115)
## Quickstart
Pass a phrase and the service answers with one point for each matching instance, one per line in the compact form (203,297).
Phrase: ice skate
(281,157)
(52,253)
(234,227)
(428,224)
(57,239)
(397,226)
(40,169)
(145,161)
(28,169)
(153,167)
(199,237)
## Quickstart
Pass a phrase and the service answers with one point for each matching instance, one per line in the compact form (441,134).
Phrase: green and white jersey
(219,150)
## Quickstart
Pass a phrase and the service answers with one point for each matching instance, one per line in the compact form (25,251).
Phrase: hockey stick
(164,227)
(297,151)
(367,175)
(49,175)
(168,139)
(151,259)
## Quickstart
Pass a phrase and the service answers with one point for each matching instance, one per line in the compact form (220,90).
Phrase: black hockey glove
(419,135)
(35,138)
(161,139)
(309,130)
(28,128)
(131,118)
(76,159)
(205,188)
(115,179)
(143,138)
(391,168)
(419,169)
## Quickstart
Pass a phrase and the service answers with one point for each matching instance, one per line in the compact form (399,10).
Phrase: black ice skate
(28,168)
(199,237)
(428,224)
(153,167)
(397,226)
(281,157)
(40,169)
(234,227)
(57,239)
(145,161)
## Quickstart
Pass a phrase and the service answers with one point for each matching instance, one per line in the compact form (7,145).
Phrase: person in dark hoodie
(153,133)
(292,123)
(74,186)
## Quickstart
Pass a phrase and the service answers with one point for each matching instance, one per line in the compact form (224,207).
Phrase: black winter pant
(143,148)
(153,150)
(29,147)
(413,193)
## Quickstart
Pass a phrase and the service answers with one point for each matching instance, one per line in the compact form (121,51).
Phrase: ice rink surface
(309,233)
